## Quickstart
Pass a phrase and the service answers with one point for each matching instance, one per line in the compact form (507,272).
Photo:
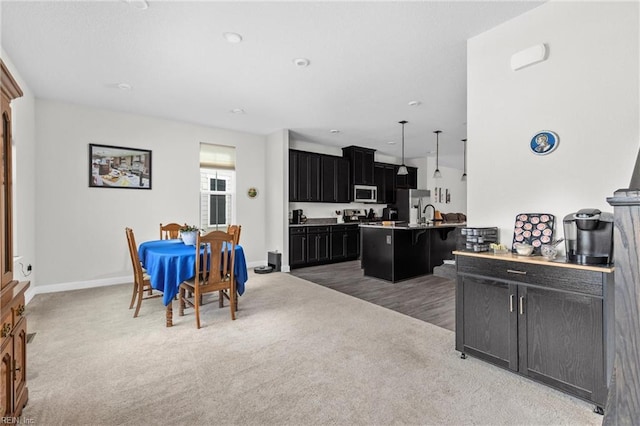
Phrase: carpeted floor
(298,354)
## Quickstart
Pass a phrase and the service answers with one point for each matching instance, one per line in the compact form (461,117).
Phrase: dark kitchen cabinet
(408,181)
(304,176)
(293,175)
(314,245)
(318,238)
(297,246)
(550,323)
(361,162)
(385,179)
(345,242)
(335,179)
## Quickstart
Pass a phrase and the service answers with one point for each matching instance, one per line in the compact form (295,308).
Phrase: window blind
(217,156)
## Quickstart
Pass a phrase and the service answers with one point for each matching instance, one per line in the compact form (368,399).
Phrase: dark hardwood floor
(429,298)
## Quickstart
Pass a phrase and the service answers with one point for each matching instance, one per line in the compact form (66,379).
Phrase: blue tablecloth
(170,262)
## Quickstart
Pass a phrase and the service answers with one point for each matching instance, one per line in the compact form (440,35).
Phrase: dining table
(171,262)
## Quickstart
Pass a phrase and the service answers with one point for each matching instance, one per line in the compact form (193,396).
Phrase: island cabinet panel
(377,253)
(546,322)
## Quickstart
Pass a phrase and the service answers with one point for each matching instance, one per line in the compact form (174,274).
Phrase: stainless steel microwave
(365,194)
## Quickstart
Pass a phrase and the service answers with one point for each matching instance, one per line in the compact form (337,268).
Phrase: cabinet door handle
(511,297)
(521,305)
(513,271)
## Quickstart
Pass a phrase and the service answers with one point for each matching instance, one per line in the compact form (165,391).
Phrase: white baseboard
(79,285)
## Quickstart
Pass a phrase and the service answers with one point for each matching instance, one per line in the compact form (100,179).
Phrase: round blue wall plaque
(544,142)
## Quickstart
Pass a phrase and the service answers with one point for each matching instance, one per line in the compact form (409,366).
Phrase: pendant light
(402,170)
(464,156)
(437,173)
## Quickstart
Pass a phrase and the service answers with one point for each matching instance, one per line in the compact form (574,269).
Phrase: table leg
(170,314)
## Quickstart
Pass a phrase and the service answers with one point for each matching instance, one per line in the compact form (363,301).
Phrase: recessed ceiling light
(124,86)
(334,131)
(301,62)
(414,103)
(232,37)
(391,142)
(238,111)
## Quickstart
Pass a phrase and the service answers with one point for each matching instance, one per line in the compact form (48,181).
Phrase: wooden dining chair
(213,272)
(141,281)
(170,231)
(235,231)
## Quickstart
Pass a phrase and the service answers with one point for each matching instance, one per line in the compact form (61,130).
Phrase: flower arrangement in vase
(188,234)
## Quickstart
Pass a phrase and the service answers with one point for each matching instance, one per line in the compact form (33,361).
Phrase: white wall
(586,91)
(80,230)
(24,185)
(277,192)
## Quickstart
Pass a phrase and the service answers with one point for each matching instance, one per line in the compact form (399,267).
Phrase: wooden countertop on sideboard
(538,260)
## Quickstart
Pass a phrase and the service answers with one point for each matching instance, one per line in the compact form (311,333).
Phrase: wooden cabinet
(408,181)
(361,162)
(318,178)
(304,176)
(335,179)
(297,246)
(318,244)
(13,324)
(385,179)
(314,245)
(547,322)
(345,242)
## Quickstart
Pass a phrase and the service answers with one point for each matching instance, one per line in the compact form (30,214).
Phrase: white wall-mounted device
(529,56)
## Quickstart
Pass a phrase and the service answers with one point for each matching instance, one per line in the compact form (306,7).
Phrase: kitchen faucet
(434,210)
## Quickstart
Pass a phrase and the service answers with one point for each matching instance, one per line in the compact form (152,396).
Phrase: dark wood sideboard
(547,320)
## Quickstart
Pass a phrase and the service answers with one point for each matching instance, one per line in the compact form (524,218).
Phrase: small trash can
(274,259)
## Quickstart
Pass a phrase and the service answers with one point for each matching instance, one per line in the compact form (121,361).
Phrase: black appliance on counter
(389,213)
(296,217)
(588,237)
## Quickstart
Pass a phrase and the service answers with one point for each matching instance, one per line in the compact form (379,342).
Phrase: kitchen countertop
(319,222)
(560,262)
(405,225)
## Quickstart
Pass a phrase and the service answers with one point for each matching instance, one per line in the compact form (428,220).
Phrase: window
(217,196)
(217,186)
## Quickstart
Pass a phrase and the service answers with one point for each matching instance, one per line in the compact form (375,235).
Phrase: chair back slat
(235,231)
(170,231)
(219,249)
(133,253)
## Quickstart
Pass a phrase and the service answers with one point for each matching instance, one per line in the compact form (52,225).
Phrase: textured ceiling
(368,60)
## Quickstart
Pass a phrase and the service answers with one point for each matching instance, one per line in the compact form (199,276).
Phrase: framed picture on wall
(119,167)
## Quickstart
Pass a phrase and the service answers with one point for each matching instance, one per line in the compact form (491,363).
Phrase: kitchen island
(401,251)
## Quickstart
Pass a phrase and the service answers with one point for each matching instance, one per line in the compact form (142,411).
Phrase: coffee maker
(296,217)
(588,235)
